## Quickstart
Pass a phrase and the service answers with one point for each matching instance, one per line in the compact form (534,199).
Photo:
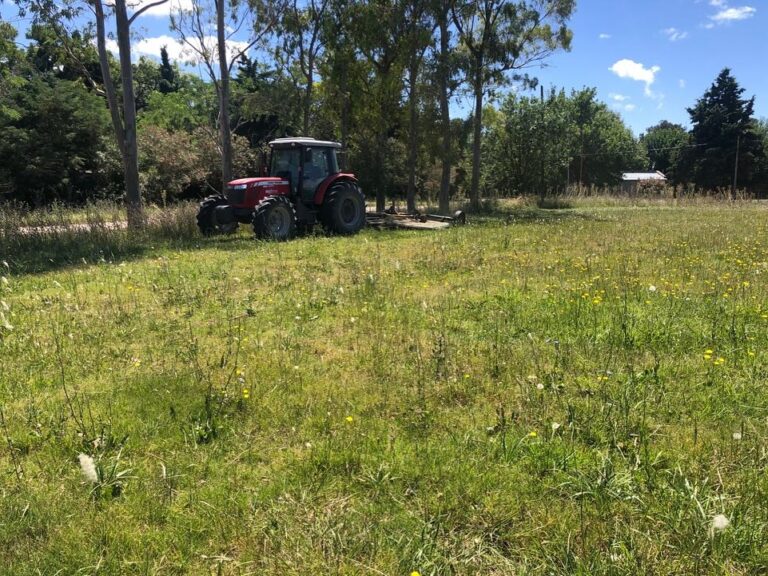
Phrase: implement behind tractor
(303,186)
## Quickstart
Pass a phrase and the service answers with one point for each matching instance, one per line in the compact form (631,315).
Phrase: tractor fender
(325,184)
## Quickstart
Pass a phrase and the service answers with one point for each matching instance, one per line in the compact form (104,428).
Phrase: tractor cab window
(285,164)
(319,163)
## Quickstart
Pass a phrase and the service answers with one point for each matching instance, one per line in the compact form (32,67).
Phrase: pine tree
(726,147)
(168,82)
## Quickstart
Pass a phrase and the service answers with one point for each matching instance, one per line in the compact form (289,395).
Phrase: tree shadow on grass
(541,212)
(41,250)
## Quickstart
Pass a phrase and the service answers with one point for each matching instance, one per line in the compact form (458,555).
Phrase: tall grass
(540,392)
(58,236)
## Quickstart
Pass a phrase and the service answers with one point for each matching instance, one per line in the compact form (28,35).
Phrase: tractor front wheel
(275,219)
(344,208)
(207,219)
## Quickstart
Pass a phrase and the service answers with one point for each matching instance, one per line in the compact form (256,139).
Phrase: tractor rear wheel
(275,219)
(344,208)
(207,220)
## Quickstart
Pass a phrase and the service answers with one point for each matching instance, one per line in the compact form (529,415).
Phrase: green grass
(530,394)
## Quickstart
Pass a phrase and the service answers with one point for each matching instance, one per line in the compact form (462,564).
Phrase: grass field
(576,391)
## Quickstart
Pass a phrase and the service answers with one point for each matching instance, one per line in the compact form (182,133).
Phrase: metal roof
(640,176)
(301,141)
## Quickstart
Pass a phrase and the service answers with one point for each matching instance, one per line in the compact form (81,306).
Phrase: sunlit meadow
(578,391)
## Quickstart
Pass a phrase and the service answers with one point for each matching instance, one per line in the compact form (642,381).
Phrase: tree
(303,43)
(539,144)
(418,41)
(446,66)
(665,143)
(380,29)
(500,36)
(146,78)
(205,21)
(168,74)
(725,145)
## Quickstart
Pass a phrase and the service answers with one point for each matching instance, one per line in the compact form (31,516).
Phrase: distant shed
(631,181)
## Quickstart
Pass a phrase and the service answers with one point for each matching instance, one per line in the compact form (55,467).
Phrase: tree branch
(144,9)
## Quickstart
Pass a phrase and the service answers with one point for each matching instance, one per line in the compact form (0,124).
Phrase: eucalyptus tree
(447,63)
(419,39)
(122,107)
(380,30)
(212,32)
(500,36)
(302,30)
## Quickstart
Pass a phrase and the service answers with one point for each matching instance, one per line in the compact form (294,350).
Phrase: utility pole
(736,167)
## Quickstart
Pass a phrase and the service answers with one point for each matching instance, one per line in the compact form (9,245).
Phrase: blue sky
(648,59)
(651,59)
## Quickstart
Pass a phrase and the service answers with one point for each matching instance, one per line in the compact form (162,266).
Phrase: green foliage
(723,126)
(53,143)
(146,81)
(168,73)
(169,163)
(665,143)
(536,146)
(187,108)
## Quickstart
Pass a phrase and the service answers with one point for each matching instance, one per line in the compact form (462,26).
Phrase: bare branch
(144,9)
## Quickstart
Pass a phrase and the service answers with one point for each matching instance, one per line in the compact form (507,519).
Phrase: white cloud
(674,34)
(176,50)
(681,83)
(717,3)
(636,71)
(111,47)
(163,10)
(604,36)
(618,97)
(621,107)
(152,46)
(733,14)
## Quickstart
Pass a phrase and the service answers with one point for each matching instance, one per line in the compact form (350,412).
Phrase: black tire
(275,219)
(344,208)
(206,217)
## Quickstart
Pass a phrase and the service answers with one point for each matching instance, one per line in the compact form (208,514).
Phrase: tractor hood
(252,181)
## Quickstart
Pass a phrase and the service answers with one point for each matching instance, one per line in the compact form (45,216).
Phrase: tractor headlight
(239,187)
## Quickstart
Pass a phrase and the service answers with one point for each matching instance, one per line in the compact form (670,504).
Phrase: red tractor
(301,187)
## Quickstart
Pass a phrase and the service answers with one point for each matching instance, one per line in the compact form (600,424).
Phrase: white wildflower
(720,523)
(555,426)
(4,322)
(737,436)
(651,288)
(88,468)
(539,386)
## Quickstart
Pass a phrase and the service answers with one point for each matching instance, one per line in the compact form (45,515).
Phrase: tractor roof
(300,141)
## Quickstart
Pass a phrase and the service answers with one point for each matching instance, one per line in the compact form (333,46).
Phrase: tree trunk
(381,154)
(474,193)
(445,114)
(413,141)
(109,85)
(226,132)
(345,114)
(308,95)
(130,148)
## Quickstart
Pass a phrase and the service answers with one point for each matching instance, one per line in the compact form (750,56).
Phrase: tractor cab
(305,163)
